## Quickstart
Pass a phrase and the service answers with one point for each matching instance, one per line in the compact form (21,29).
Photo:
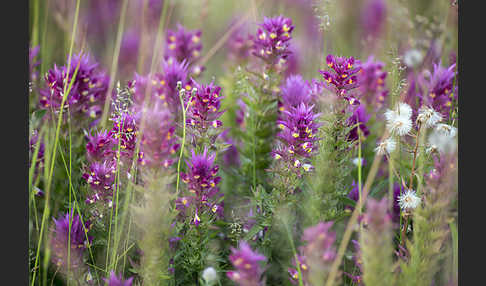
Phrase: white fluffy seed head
(443,138)
(387,146)
(428,117)
(408,200)
(446,130)
(398,121)
(209,275)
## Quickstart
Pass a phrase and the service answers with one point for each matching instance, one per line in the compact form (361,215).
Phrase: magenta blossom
(441,91)
(88,89)
(182,44)
(360,117)
(203,112)
(299,128)
(342,76)
(248,271)
(99,146)
(372,82)
(117,280)
(295,91)
(201,180)
(69,232)
(272,39)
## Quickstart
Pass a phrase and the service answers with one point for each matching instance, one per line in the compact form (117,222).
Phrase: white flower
(209,275)
(428,116)
(399,121)
(443,138)
(387,146)
(408,200)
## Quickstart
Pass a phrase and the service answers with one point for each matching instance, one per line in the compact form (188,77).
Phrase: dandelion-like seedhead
(428,117)
(409,200)
(386,147)
(398,121)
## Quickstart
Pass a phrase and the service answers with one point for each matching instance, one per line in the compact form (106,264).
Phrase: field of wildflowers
(246,142)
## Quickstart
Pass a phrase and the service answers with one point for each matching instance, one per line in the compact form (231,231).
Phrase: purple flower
(183,45)
(317,254)
(440,89)
(99,146)
(342,76)
(294,272)
(397,191)
(358,278)
(40,153)
(298,135)
(377,216)
(75,237)
(129,50)
(33,52)
(246,262)
(272,39)
(173,72)
(373,16)
(240,113)
(359,116)
(116,280)
(294,92)
(231,156)
(101,178)
(88,90)
(372,82)
(159,142)
(123,133)
(203,112)
(239,45)
(353,195)
(201,180)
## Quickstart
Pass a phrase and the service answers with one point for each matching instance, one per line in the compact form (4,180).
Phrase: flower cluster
(184,45)
(294,92)
(317,254)
(371,82)
(203,111)
(158,141)
(33,52)
(163,86)
(441,91)
(239,46)
(201,180)
(101,178)
(271,42)
(359,116)
(377,216)
(69,232)
(99,146)
(246,261)
(88,90)
(117,280)
(373,17)
(342,76)
(298,135)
